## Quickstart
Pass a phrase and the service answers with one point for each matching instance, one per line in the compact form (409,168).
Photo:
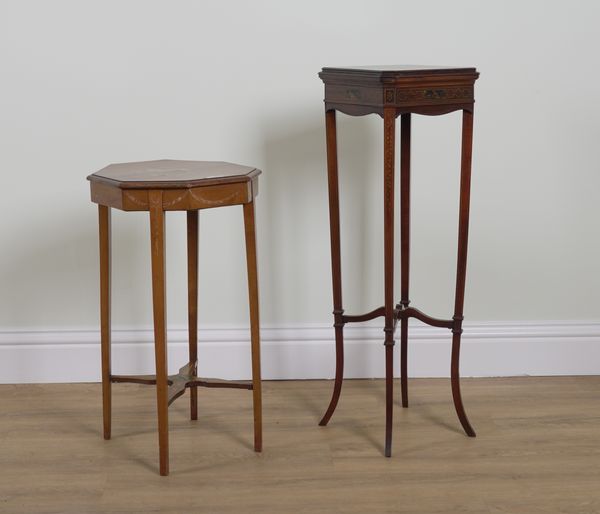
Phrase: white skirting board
(308,352)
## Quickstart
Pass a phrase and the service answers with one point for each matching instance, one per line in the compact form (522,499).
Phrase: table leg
(405,126)
(157,239)
(463,234)
(389,138)
(192,258)
(104,219)
(336,262)
(250,231)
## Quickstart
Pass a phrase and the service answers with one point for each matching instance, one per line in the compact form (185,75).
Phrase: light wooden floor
(537,450)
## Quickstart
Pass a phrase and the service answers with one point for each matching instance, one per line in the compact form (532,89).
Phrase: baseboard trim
(307,351)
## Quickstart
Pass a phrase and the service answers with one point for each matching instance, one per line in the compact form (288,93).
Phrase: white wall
(84,84)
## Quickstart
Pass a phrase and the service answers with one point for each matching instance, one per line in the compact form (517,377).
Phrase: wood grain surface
(172,174)
(538,450)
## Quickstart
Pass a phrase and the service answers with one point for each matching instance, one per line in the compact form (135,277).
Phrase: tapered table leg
(405,120)
(389,123)
(192,257)
(157,239)
(336,261)
(104,219)
(250,231)
(463,235)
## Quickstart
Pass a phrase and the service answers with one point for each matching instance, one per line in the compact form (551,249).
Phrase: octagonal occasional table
(157,187)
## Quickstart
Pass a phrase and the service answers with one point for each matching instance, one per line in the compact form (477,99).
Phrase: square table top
(424,89)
